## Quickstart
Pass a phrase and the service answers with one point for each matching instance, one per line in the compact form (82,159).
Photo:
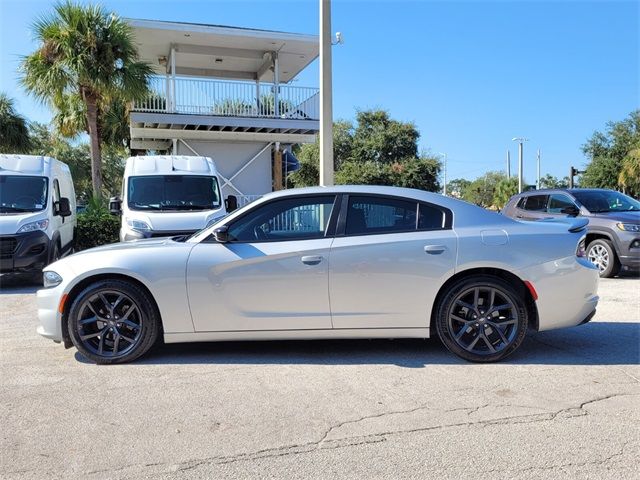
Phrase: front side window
(22,193)
(367,215)
(536,203)
(301,218)
(173,192)
(557,203)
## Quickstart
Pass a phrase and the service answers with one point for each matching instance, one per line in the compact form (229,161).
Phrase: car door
(532,207)
(272,274)
(388,261)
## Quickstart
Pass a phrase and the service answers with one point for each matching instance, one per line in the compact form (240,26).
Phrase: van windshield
(23,193)
(173,192)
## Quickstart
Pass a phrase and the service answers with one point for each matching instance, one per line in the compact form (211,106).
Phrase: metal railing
(226,98)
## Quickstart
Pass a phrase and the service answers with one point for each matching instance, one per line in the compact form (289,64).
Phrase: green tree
(85,55)
(14,132)
(379,138)
(457,186)
(629,177)
(549,181)
(607,151)
(505,189)
(482,189)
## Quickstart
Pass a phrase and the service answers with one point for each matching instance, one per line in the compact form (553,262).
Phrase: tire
(113,321)
(55,253)
(601,253)
(462,318)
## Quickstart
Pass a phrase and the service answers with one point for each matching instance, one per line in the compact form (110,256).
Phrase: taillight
(582,248)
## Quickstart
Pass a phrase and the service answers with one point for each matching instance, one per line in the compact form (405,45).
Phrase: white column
(276,85)
(173,79)
(326,100)
(520,161)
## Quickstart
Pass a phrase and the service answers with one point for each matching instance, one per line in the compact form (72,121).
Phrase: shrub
(96,226)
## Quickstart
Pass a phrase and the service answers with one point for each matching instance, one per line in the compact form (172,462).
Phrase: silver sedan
(326,263)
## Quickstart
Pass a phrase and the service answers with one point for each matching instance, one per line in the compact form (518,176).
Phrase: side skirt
(297,334)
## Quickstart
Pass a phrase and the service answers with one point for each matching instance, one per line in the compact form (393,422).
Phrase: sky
(471,75)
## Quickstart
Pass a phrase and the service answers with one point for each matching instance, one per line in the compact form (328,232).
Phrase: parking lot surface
(566,405)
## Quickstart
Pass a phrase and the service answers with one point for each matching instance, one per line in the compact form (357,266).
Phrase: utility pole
(520,141)
(508,164)
(444,171)
(326,106)
(538,181)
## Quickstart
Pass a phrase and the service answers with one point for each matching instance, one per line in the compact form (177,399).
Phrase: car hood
(131,245)
(176,221)
(10,223)
(632,217)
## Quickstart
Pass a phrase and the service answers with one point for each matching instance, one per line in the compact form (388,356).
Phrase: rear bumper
(567,291)
(24,252)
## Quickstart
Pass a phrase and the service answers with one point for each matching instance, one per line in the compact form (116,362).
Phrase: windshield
(173,192)
(603,201)
(21,193)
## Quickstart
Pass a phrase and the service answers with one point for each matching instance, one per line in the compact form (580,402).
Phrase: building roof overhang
(215,51)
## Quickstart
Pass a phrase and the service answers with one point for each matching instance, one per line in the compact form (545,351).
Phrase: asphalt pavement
(566,405)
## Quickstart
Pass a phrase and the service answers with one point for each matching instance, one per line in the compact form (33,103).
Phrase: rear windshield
(22,193)
(173,192)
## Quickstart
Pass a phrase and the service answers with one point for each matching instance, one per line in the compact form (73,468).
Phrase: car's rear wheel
(113,321)
(482,318)
(600,252)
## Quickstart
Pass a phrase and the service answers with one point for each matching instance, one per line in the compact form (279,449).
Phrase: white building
(226,93)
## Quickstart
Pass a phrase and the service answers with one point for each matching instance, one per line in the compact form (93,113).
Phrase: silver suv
(613,234)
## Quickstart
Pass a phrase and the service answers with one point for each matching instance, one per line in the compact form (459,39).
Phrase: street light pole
(326,107)
(444,171)
(538,181)
(508,164)
(520,141)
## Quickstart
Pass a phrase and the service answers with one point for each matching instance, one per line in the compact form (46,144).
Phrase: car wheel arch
(496,272)
(602,235)
(84,283)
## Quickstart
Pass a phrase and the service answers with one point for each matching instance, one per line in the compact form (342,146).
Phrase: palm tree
(89,56)
(629,177)
(14,133)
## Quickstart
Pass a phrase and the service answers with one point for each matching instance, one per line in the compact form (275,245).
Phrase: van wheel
(600,252)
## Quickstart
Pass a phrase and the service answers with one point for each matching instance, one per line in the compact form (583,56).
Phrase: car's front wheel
(113,321)
(600,252)
(482,318)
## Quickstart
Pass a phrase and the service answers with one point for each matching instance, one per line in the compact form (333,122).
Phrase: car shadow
(11,284)
(598,343)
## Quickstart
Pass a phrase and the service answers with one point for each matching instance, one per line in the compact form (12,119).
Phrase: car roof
(560,190)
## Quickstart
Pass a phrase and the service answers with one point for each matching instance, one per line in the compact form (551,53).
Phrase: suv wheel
(600,252)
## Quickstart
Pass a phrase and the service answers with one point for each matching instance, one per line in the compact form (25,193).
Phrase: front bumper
(24,252)
(628,246)
(48,300)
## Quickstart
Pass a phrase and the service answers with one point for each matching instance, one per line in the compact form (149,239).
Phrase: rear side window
(375,215)
(536,203)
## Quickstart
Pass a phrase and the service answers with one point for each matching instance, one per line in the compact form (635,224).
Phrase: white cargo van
(37,212)
(167,195)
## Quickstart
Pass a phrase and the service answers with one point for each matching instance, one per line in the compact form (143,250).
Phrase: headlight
(629,227)
(51,279)
(34,226)
(138,225)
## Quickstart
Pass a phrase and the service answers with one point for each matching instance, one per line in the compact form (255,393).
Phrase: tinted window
(558,202)
(521,203)
(536,203)
(300,218)
(606,201)
(366,215)
(173,192)
(430,218)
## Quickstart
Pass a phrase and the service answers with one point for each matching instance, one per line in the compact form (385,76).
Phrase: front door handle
(434,249)
(311,259)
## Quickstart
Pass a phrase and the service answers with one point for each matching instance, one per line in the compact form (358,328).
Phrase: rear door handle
(434,249)
(311,259)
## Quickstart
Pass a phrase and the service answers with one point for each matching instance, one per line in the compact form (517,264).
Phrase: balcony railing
(237,99)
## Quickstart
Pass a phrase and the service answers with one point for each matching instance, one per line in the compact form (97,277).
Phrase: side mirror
(115,206)
(62,207)
(231,203)
(221,234)
(571,210)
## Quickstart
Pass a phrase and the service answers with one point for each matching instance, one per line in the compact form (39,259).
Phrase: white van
(37,212)
(167,195)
